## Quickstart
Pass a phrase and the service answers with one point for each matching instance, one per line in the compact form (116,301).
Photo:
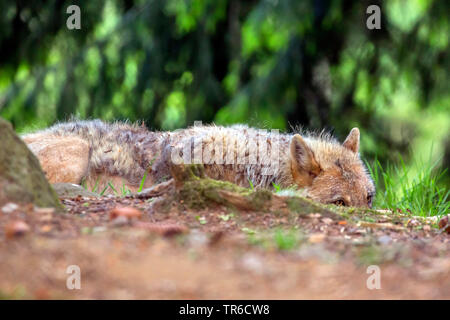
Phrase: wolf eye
(369,200)
(339,202)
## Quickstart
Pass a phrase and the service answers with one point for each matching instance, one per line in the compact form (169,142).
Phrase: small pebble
(127,212)
(120,221)
(10,207)
(385,239)
(316,237)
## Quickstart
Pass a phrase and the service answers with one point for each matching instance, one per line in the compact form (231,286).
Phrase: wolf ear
(352,140)
(303,164)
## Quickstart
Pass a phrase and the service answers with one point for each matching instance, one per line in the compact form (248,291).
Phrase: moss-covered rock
(70,190)
(21,177)
(198,191)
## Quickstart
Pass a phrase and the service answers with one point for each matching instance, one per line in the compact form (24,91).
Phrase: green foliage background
(268,63)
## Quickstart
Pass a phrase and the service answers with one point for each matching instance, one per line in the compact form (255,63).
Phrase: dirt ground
(216,253)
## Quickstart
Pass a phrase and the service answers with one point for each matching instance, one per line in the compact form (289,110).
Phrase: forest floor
(217,252)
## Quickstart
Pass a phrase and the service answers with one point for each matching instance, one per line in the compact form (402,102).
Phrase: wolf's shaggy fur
(328,171)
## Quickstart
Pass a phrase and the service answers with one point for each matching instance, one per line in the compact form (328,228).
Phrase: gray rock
(70,190)
(21,177)
(9,208)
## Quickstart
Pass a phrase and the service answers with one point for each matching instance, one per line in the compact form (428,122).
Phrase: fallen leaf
(444,224)
(316,238)
(379,225)
(216,237)
(127,212)
(42,294)
(46,218)
(16,228)
(46,228)
(327,220)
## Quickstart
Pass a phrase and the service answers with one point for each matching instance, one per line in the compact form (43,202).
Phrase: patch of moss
(279,239)
(199,192)
(303,206)
(376,255)
(259,198)
(286,240)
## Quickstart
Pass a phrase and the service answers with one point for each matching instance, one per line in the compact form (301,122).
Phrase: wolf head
(331,172)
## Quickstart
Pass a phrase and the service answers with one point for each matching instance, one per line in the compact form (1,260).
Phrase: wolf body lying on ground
(98,153)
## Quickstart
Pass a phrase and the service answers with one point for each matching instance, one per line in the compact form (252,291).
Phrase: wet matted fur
(98,152)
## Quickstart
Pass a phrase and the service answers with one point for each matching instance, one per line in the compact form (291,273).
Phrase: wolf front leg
(63,159)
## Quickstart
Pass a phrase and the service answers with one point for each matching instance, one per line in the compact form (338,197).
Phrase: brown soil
(216,253)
